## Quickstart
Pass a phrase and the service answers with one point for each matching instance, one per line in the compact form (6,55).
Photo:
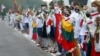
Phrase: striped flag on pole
(2,7)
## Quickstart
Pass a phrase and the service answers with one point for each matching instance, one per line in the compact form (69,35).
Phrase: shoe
(38,45)
(58,54)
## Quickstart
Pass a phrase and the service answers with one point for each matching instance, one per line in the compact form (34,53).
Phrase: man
(76,17)
(3,13)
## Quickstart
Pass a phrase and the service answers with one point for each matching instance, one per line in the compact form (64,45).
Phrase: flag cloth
(57,34)
(67,35)
(2,7)
(34,36)
(48,24)
(93,52)
(97,53)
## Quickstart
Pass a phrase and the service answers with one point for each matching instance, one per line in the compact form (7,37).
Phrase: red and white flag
(2,7)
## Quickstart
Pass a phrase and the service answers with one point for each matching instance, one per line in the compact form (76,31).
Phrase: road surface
(14,44)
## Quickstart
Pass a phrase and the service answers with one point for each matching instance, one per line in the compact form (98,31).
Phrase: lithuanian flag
(34,36)
(67,35)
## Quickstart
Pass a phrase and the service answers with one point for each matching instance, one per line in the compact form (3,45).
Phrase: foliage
(22,3)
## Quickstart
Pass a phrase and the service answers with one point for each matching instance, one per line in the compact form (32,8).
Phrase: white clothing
(93,29)
(30,27)
(39,23)
(53,23)
(84,27)
(25,19)
(76,18)
(93,25)
(12,17)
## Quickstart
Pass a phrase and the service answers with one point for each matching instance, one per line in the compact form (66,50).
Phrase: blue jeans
(59,48)
(80,40)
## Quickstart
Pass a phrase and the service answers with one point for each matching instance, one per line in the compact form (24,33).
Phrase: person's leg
(39,30)
(2,17)
(80,42)
(24,28)
(30,32)
(59,48)
(18,25)
(64,52)
(59,51)
(27,26)
(88,51)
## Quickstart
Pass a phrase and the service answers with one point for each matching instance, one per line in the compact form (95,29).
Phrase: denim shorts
(39,31)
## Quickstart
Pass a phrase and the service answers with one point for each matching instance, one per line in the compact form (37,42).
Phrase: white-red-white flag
(2,7)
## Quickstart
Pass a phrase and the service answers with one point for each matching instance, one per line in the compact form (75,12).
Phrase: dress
(44,34)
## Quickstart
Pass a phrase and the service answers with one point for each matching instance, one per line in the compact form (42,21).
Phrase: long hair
(96,4)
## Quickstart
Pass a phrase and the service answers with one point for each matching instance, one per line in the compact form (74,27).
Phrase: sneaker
(58,54)
(38,45)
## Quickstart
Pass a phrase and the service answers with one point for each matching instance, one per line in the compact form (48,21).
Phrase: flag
(93,52)
(48,24)
(67,35)
(57,33)
(2,7)
(34,36)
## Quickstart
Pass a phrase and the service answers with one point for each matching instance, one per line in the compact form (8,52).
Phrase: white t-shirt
(25,19)
(93,25)
(12,17)
(76,19)
(39,23)
(84,27)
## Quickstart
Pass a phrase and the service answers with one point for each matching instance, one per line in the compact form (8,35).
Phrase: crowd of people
(66,30)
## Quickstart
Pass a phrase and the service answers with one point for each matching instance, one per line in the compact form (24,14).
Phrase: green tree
(22,3)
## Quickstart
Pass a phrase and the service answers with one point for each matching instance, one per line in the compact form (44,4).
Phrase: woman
(44,35)
(39,26)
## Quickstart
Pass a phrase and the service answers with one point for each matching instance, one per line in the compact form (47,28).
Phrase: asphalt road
(14,44)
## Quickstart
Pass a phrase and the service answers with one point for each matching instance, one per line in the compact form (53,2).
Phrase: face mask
(77,10)
(55,7)
(39,10)
(85,11)
(43,8)
(94,9)
(71,8)
(67,15)
(52,11)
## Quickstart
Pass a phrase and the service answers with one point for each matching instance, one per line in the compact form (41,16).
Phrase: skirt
(52,33)
(44,35)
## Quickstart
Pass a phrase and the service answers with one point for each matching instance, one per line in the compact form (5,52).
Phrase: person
(31,15)
(97,32)
(3,13)
(34,36)
(39,27)
(18,20)
(12,17)
(67,34)
(76,17)
(57,15)
(84,33)
(44,31)
(95,13)
(50,26)
(25,21)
